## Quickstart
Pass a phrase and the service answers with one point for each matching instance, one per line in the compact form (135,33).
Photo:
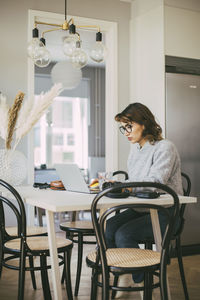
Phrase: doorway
(73,129)
(111,95)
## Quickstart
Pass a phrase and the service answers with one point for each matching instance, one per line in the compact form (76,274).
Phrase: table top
(58,201)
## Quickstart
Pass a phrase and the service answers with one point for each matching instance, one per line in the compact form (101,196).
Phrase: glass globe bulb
(79,58)
(33,47)
(69,44)
(65,73)
(98,52)
(43,59)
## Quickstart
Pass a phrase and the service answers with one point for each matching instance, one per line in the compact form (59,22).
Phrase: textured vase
(13,166)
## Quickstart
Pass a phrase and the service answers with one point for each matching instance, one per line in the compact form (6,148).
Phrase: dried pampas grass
(12,118)
(22,116)
(4,108)
(33,110)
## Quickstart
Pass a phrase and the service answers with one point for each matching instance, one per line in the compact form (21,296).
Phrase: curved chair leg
(149,245)
(63,275)
(105,283)
(32,272)
(79,262)
(22,266)
(94,278)
(44,276)
(1,267)
(1,259)
(67,268)
(68,235)
(114,284)
(163,279)
(148,280)
(1,239)
(181,269)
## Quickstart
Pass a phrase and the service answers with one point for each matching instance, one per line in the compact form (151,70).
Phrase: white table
(59,201)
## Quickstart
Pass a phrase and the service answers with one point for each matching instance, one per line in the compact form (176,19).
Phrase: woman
(151,158)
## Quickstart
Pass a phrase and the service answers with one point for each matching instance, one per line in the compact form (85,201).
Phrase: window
(57,139)
(61,135)
(62,113)
(70,139)
(68,156)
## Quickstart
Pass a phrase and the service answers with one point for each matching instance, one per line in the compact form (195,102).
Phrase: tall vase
(13,166)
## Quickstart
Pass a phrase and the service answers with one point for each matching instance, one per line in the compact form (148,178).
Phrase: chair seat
(79,225)
(30,230)
(129,257)
(37,243)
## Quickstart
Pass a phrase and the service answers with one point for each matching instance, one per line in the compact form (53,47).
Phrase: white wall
(157,30)
(147,56)
(14,32)
(182,32)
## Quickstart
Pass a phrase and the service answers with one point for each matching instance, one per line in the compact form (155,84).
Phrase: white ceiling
(54,41)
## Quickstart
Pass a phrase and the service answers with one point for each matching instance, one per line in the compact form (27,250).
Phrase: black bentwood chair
(23,247)
(11,232)
(76,231)
(129,260)
(177,252)
(176,236)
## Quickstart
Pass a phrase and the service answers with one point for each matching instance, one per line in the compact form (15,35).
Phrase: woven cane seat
(30,230)
(129,257)
(37,243)
(79,225)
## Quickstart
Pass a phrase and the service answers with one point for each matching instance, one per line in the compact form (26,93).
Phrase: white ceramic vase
(13,166)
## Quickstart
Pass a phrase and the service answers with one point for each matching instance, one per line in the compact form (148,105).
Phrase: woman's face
(133,131)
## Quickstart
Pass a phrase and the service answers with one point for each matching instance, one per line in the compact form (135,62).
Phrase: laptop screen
(45,175)
(72,178)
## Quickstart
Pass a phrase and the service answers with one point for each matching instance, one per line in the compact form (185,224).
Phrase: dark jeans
(125,229)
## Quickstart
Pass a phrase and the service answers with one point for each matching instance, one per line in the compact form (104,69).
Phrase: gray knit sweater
(157,163)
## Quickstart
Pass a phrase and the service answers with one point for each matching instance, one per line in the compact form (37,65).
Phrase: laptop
(72,178)
(42,176)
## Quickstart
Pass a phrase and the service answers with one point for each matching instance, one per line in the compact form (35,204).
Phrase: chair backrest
(18,210)
(121,172)
(99,221)
(186,192)
(186,184)
(185,179)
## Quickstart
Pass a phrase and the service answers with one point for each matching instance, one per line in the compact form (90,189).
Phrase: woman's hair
(139,113)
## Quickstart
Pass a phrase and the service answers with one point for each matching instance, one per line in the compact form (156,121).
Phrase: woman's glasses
(128,128)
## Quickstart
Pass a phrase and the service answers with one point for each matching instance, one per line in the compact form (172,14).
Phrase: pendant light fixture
(41,56)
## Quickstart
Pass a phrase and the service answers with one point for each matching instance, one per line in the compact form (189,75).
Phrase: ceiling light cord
(65,10)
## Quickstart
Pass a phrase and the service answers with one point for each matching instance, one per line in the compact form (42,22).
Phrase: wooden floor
(8,282)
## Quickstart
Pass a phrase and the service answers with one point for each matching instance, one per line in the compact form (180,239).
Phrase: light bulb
(79,58)
(33,47)
(43,59)
(98,52)
(69,44)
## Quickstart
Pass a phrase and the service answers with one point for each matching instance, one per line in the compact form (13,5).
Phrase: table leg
(53,255)
(156,228)
(39,216)
(30,215)
(157,237)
